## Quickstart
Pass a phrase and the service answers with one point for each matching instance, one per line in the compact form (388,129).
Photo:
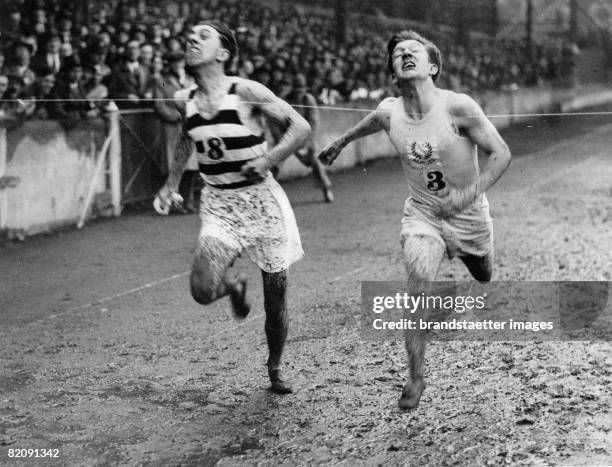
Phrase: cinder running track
(105,357)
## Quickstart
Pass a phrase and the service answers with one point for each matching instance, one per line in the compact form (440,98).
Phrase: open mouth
(192,46)
(408,66)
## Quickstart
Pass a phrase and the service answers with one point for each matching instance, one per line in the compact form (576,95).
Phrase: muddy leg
(422,258)
(307,156)
(481,267)
(275,304)
(211,280)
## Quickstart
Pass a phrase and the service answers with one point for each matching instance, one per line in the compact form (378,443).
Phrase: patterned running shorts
(469,233)
(257,219)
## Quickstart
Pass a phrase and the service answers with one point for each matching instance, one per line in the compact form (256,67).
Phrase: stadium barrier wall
(59,171)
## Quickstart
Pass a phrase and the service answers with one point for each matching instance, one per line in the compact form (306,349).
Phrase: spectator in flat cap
(39,24)
(71,90)
(50,56)
(18,103)
(146,55)
(95,57)
(12,30)
(129,79)
(19,62)
(96,91)
(67,51)
(28,37)
(64,27)
(47,103)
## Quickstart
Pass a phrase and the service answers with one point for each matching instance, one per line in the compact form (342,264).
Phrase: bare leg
(481,267)
(422,258)
(320,175)
(308,157)
(275,304)
(210,279)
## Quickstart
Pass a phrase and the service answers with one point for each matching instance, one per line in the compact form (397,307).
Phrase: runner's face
(204,45)
(411,61)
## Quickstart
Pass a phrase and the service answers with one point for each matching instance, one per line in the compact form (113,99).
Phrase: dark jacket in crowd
(125,83)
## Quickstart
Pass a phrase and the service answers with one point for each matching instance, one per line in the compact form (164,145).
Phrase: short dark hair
(228,40)
(435,56)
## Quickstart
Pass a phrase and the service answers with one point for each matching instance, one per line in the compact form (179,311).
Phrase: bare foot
(411,394)
(237,292)
(278,384)
(328,195)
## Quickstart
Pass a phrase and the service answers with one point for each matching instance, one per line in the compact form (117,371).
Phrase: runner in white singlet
(437,134)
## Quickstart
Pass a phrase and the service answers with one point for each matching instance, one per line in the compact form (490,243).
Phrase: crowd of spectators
(54,64)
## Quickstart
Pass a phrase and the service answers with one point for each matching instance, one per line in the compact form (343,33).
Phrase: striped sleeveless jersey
(223,143)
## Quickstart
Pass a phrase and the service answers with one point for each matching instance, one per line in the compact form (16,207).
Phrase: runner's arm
(182,153)
(372,123)
(470,118)
(168,196)
(296,128)
(183,148)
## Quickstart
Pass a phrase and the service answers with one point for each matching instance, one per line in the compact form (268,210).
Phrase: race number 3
(213,150)
(435,181)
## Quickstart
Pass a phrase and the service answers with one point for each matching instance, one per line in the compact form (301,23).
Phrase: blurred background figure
(19,58)
(70,89)
(4,102)
(174,78)
(129,79)
(306,105)
(146,55)
(49,58)
(17,102)
(47,104)
(96,92)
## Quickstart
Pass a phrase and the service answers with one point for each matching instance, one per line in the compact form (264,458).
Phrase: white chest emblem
(421,152)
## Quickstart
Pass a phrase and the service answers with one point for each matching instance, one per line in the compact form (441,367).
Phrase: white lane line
(118,295)
(158,282)
(238,324)
(346,274)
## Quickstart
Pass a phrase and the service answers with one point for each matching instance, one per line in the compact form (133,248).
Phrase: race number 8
(215,148)
(435,181)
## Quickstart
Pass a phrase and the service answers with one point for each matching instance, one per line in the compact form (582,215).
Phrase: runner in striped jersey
(243,209)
